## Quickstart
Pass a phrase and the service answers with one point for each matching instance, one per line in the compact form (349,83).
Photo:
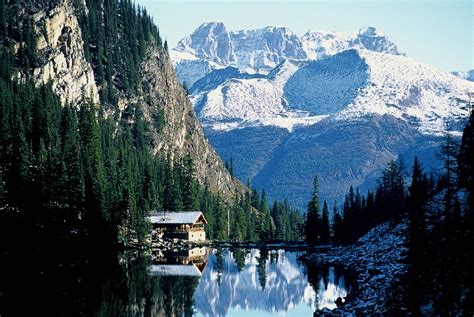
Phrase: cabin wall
(197,236)
(184,232)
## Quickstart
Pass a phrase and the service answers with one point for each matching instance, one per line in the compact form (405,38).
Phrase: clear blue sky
(436,32)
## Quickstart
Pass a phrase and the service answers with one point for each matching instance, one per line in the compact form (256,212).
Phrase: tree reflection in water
(264,282)
(262,267)
(64,283)
(329,283)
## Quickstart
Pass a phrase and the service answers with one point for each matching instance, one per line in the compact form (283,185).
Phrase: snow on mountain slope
(348,85)
(210,41)
(263,49)
(219,76)
(190,68)
(318,44)
(239,102)
(328,85)
(282,72)
(244,100)
(409,90)
(270,76)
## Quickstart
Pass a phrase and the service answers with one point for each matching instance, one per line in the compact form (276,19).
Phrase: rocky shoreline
(377,259)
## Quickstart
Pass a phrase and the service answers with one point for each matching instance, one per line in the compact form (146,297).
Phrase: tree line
(359,213)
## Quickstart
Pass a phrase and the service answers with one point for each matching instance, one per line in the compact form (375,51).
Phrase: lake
(252,282)
(195,282)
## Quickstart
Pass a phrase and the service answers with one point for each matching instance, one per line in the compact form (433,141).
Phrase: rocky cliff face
(60,47)
(62,61)
(210,41)
(318,44)
(182,133)
(260,50)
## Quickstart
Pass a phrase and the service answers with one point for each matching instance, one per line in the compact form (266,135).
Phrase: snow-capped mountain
(348,85)
(469,75)
(302,101)
(210,41)
(260,50)
(245,49)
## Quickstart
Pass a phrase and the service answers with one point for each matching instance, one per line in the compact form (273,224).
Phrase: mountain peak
(368,31)
(278,29)
(209,41)
(212,24)
(319,44)
(211,27)
(260,50)
(467,75)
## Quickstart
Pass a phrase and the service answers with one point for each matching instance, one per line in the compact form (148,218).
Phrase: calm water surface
(197,282)
(252,282)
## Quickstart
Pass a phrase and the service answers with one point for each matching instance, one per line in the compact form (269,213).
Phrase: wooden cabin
(186,225)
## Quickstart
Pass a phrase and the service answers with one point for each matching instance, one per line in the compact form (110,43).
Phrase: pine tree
(97,215)
(172,195)
(466,184)
(348,220)
(338,229)
(466,163)
(72,174)
(266,229)
(19,160)
(220,224)
(416,236)
(190,201)
(313,216)
(393,191)
(325,229)
(3,21)
(176,189)
(448,154)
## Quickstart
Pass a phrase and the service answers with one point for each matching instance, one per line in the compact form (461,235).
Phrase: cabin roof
(175,218)
(175,270)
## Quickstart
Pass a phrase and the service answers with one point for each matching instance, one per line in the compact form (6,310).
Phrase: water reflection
(240,282)
(202,282)
(186,262)
(329,284)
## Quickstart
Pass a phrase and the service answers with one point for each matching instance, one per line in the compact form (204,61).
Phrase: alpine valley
(123,164)
(339,105)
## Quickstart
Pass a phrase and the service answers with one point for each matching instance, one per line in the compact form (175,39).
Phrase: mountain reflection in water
(240,282)
(202,282)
